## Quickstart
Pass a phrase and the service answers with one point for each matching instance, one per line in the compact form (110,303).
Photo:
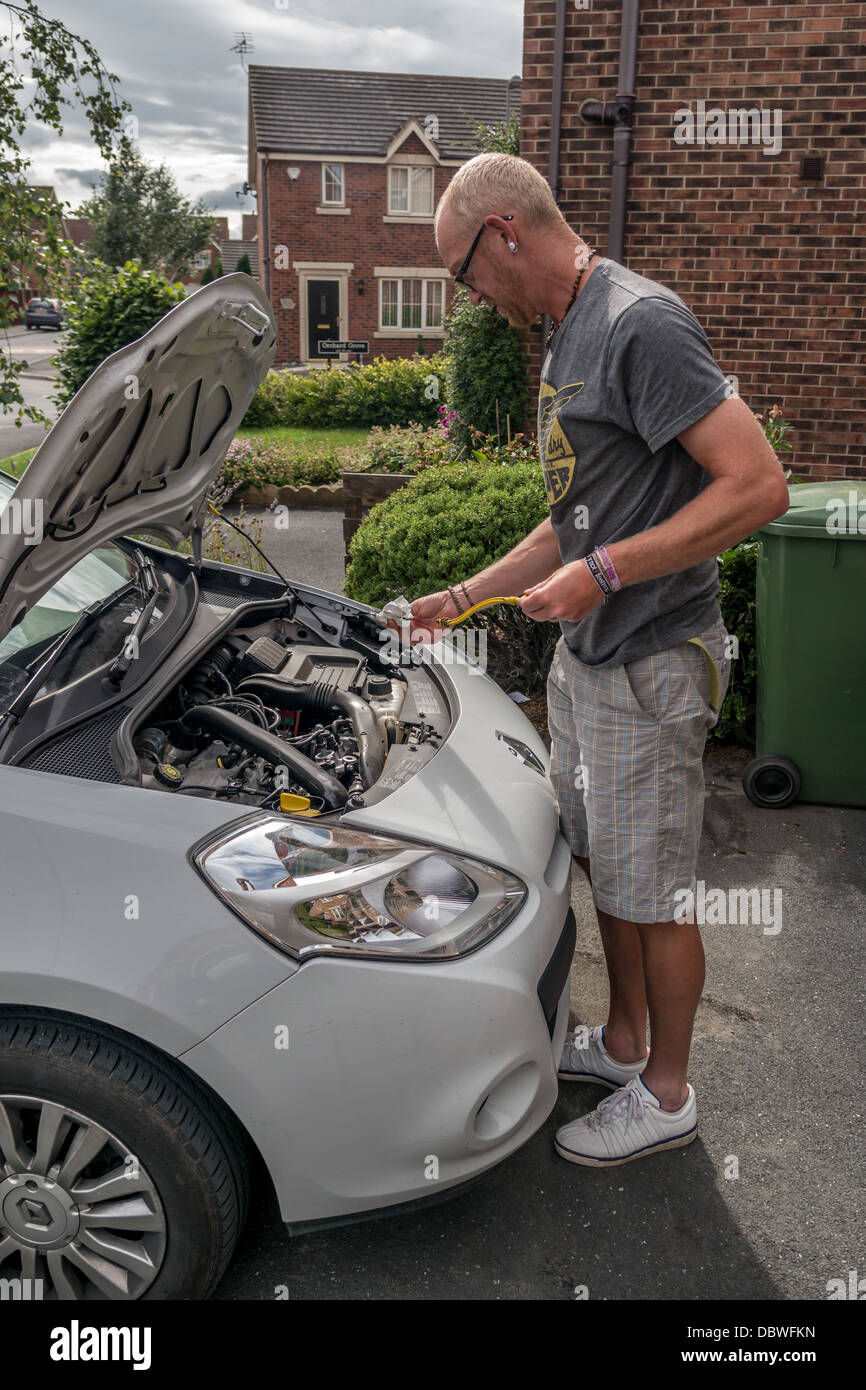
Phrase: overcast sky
(188,90)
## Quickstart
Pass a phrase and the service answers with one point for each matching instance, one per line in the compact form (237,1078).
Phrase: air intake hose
(275,750)
(320,697)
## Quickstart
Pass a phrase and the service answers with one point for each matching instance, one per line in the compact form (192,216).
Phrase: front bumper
(368,1084)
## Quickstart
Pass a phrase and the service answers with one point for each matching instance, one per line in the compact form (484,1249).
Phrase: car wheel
(120,1177)
(772,782)
(29,326)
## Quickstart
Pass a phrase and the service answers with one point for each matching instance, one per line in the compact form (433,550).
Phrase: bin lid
(824,510)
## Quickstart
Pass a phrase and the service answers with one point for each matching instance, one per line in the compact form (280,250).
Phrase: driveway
(36,348)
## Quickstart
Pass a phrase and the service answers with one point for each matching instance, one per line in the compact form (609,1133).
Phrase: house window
(333,188)
(201,260)
(411,304)
(410,190)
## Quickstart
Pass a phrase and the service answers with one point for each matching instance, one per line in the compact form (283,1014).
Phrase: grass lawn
(304,440)
(16,463)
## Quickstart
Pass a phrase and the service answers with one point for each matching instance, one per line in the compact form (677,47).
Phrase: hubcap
(80,1217)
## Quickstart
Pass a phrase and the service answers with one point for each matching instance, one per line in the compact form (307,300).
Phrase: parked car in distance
(44,313)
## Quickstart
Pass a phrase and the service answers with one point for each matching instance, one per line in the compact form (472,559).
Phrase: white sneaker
(585,1058)
(627,1125)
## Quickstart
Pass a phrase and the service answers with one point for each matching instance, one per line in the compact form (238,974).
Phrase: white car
(264,886)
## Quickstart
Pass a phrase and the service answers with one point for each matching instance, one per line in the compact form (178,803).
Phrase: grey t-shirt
(629,369)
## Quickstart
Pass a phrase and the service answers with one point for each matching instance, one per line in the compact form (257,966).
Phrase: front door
(323,313)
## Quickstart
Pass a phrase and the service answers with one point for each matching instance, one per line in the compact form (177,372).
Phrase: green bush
(110,310)
(737,573)
(445,524)
(243,266)
(405,448)
(408,449)
(257,463)
(485,372)
(387,391)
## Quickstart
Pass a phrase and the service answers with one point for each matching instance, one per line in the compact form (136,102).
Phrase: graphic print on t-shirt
(557,458)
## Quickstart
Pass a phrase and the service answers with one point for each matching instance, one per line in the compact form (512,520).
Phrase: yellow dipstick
(485,603)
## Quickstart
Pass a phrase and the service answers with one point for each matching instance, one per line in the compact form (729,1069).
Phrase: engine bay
(271,720)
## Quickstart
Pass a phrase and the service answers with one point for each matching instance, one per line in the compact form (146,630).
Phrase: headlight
(328,890)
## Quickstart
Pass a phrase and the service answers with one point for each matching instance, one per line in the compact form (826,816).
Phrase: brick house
(348,168)
(762,247)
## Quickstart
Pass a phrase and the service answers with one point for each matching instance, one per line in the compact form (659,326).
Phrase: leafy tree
(112,308)
(139,213)
(503,137)
(44,66)
(244,264)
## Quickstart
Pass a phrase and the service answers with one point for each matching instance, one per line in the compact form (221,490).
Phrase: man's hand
(570,593)
(425,612)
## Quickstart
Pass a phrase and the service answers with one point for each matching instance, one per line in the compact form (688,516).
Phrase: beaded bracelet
(453,598)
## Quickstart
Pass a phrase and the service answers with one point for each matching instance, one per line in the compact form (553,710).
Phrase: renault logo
(520,750)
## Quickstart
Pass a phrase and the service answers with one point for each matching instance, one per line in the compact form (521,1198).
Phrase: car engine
(273,722)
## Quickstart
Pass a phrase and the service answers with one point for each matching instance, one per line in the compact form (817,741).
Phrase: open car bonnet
(140,443)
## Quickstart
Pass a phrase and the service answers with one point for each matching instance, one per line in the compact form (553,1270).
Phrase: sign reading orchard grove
(344,345)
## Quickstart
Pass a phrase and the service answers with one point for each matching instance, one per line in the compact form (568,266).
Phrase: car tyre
(167,1234)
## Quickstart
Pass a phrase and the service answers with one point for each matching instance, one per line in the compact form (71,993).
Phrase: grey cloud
(189,92)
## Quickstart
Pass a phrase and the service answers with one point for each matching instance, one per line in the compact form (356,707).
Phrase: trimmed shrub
(111,309)
(485,371)
(243,266)
(387,391)
(443,525)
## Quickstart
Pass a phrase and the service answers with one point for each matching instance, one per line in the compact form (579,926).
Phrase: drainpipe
(265,248)
(555,120)
(618,114)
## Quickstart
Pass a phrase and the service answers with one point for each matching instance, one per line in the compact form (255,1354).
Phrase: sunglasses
(459,278)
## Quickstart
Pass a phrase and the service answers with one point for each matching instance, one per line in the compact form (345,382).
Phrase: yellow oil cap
(289,802)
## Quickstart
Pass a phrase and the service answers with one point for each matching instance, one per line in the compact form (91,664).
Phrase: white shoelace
(625,1105)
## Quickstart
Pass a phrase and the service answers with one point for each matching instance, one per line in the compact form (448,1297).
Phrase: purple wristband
(615,581)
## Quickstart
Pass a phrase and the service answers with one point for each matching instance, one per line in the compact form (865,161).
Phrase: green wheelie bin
(811,650)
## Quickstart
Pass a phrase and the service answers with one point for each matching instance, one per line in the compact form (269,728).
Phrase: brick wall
(362,238)
(768,263)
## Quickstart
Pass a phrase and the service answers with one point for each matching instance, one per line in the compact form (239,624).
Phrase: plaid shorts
(626,764)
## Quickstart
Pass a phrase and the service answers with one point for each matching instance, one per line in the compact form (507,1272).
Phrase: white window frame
(334,202)
(409,210)
(424,327)
(201,260)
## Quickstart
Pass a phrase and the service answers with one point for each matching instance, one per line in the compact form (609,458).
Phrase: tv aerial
(242,46)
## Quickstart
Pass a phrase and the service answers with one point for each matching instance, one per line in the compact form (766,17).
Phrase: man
(652,467)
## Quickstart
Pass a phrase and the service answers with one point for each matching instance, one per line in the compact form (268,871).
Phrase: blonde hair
(498,183)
